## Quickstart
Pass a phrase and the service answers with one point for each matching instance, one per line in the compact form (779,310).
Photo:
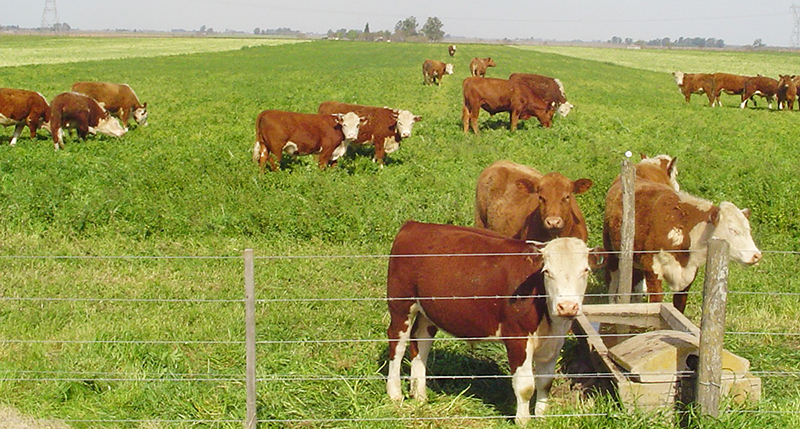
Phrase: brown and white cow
(279,131)
(787,91)
(731,84)
(478,66)
(672,230)
(84,114)
(117,99)
(451,50)
(659,169)
(764,86)
(520,202)
(695,83)
(382,126)
(547,88)
(501,95)
(20,107)
(432,71)
(494,288)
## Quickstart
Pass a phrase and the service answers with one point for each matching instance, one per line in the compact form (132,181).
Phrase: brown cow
(547,88)
(117,99)
(501,95)
(478,66)
(502,294)
(731,84)
(787,91)
(77,111)
(659,169)
(20,107)
(672,230)
(695,83)
(432,71)
(383,127)
(766,87)
(451,50)
(302,133)
(519,202)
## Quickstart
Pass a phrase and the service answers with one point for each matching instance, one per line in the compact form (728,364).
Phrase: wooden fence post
(627,178)
(712,327)
(250,339)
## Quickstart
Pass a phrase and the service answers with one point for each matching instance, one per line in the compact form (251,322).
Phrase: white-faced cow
(695,83)
(451,50)
(478,66)
(787,91)
(501,95)
(383,127)
(20,107)
(520,202)
(672,230)
(76,111)
(432,71)
(303,134)
(547,88)
(495,288)
(117,99)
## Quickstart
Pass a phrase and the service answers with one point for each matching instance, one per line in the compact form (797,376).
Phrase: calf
(436,280)
(695,83)
(787,91)
(548,89)
(20,107)
(82,113)
(383,127)
(766,87)
(729,83)
(302,133)
(117,99)
(432,71)
(478,66)
(672,230)
(519,202)
(451,50)
(501,95)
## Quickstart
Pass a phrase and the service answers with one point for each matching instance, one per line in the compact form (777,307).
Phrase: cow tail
(257,151)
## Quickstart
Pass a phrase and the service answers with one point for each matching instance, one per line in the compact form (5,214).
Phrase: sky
(737,22)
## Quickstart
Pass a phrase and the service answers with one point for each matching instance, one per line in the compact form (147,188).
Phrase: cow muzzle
(554,223)
(568,309)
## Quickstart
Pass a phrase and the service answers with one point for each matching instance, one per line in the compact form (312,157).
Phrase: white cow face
(564,109)
(678,75)
(733,227)
(349,122)
(109,126)
(140,115)
(448,69)
(405,122)
(566,270)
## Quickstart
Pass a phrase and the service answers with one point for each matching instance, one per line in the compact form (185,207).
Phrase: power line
(49,16)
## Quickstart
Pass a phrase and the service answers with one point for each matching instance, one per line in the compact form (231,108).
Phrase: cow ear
(598,258)
(337,117)
(417,118)
(643,155)
(527,185)
(671,166)
(144,105)
(746,213)
(713,216)
(581,185)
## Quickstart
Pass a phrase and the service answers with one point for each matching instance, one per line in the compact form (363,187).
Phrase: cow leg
(465,117)
(421,342)
(520,360)
(514,120)
(545,357)
(679,299)
(399,333)
(655,291)
(380,150)
(125,113)
(17,131)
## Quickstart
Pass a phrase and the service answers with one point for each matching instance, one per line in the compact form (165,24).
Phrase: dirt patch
(11,419)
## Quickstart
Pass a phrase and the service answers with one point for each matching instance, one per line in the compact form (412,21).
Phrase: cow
(787,91)
(451,50)
(433,71)
(695,83)
(672,230)
(520,202)
(382,126)
(279,131)
(20,107)
(482,286)
(766,87)
(547,88)
(117,99)
(660,169)
(731,84)
(478,66)
(72,110)
(501,95)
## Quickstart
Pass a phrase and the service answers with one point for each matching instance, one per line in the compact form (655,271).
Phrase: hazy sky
(737,22)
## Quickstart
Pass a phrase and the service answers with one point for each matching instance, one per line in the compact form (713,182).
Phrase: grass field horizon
(185,186)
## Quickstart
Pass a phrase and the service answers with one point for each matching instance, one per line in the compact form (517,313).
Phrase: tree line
(406,30)
(692,42)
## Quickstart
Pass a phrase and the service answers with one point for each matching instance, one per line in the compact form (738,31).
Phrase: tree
(406,27)
(433,29)
(366,28)
(257,31)
(758,44)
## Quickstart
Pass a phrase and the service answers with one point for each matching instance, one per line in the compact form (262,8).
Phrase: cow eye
(566,199)
(546,272)
(735,232)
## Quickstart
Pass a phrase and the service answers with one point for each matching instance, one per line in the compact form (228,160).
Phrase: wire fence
(12,295)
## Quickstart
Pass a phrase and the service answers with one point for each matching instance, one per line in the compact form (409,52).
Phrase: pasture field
(120,259)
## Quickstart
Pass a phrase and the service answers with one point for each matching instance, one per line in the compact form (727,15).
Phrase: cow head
(555,200)
(140,115)
(732,225)
(404,122)
(109,126)
(490,62)
(565,108)
(678,75)
(350,123)
(448,68)
(565,268)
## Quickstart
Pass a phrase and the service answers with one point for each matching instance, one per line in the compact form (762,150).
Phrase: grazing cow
(20,107)
(302,133)
(501,95)
(451,50)
(77,111)
(503,294)
(117,99)
(671,238)
(695,83)
(787,91)
(766,87)
(432,71)
(731,84)
(547,88)
(519,202)
(478,66)
(383,127)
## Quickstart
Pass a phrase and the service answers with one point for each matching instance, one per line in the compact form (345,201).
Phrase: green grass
(186,186)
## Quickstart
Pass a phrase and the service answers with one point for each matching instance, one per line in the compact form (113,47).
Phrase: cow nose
(567,309)
(554,222)
(405,134)
(756,257)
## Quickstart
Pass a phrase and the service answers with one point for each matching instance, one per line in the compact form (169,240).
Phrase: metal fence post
(250,339)
(627,179)
(712,327)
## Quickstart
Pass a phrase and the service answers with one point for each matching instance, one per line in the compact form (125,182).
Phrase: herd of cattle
(784,89)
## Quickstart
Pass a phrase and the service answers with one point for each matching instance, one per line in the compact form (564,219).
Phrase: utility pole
(796,28)
(50,16)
